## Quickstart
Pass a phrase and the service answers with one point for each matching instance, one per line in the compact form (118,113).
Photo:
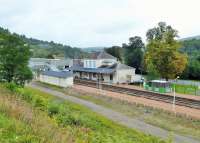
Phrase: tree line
(163,56)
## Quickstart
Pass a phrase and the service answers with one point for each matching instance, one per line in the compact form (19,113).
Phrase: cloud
(85,23)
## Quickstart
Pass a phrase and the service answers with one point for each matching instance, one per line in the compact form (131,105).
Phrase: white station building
(103,67)
(58,78)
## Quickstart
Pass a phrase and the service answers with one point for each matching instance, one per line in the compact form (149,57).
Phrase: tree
(134,52)
(192,70)
(115,51)
(14,57)
(163,51)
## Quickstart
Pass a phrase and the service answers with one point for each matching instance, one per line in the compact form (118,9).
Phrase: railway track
(181,101)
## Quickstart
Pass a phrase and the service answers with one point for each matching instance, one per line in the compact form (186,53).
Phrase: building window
(90,64)
(94,75)
(111,77)
(94,64)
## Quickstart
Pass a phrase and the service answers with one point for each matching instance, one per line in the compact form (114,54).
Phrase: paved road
(118,117)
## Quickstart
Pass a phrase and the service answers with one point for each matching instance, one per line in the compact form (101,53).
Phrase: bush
(66,120)
(40,102)
(53,109)
(11,86)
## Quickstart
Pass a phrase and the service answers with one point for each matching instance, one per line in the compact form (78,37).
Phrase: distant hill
(190,38)
(191,46)
(93,49)
(46,49)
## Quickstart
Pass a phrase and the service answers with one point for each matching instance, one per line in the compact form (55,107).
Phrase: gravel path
(118,117)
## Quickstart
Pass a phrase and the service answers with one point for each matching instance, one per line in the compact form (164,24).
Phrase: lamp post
(141,79)
(174,99)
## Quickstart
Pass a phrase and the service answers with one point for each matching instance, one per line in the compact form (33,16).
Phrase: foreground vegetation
(31,116)
(158,117)
(163,119)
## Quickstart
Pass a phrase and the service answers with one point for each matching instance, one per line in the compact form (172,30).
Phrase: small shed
(58,78)
(158,86)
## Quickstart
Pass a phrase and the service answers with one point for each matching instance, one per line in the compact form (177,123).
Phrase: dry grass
(39,123)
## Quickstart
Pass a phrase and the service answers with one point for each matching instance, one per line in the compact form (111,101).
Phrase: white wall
(62,82)
(124,76)
(90,63)
(97,63)
(121,76)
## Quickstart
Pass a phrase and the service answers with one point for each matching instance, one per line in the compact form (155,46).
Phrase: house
(103,67)
(58,78)
(38,65)
(53,64)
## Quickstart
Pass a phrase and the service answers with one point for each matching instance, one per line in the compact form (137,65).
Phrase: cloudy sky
(87,23)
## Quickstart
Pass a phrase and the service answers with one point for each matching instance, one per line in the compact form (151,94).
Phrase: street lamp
(174,99)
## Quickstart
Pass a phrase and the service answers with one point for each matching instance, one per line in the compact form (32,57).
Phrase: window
(90,64)
(94,64)
(94,75)
(87,64)
(111,77)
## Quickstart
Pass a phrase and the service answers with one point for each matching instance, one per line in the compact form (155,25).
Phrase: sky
(97,23)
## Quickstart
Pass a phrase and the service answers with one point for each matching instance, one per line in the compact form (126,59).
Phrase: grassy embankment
(166,120)
(31,116)
(187,89)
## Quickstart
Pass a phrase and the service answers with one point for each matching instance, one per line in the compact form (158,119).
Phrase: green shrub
(39,102)
(53,109)
(66,120)
(11,86)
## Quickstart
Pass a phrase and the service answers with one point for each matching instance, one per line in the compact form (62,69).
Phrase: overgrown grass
(20,123)
(38,117)
(187,89)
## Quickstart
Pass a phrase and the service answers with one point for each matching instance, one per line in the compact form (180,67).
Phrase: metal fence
(187,82)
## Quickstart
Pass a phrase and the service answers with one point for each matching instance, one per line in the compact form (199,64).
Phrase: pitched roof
(123,66)
(93,70)
(59,74)
(102,55)
(103,69)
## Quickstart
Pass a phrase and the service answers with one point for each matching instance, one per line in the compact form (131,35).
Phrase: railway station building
(101,66)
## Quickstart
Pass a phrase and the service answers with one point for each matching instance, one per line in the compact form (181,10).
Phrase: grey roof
(93,70)
(59,74)
(103,69)
(102,55)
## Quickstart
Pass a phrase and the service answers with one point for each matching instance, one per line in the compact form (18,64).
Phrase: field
(30,116)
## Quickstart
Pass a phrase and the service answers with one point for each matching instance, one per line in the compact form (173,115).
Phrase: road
(118,117)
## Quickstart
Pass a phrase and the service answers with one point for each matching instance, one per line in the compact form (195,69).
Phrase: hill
(191,46)
(190,38)
(93,49)
(45,49)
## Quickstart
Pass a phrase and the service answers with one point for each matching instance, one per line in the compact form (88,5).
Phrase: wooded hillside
(45,49)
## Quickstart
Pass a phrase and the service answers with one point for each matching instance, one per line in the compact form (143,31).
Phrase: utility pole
(174,99)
